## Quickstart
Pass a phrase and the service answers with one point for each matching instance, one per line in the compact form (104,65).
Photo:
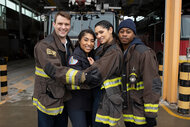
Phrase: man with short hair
(140,79)
(52,74)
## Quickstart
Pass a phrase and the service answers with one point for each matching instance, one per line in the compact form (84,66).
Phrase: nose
(124,33)
(98,36)
(63,26)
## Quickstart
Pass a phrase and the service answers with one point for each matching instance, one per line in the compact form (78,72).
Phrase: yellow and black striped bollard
(184,89)
(3,76)
(160,68)
(160,71)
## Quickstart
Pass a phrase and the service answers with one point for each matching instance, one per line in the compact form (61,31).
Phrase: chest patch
(72,61)
(50,52)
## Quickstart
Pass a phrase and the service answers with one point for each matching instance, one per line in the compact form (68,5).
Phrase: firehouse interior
(163,25)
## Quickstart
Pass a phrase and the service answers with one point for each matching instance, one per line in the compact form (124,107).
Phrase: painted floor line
(21,75)
(172,113)
(19,89)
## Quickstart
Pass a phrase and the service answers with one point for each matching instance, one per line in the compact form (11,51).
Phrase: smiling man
(53,74)
(140,79)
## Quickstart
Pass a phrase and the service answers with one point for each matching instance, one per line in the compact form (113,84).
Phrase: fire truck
(82,18)
(152,34)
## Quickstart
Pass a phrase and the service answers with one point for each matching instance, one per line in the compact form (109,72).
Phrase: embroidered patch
(72,61)
(50,52)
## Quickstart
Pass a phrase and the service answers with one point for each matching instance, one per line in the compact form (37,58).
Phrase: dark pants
(60,120)
(97,96)
(129,124)
(79,118)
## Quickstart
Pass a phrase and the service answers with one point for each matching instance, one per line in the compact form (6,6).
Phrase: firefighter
(80,106)
(140,79)
(107,105)
(52,74)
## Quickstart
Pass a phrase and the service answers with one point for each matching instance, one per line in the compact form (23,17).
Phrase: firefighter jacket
(142,83)
(81,98)
(109,58)
(52,75)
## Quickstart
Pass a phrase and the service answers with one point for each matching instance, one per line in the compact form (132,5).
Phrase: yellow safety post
(184,88)
(171,49)
(3,76)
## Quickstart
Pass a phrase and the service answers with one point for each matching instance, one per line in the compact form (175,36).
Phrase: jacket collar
(102,48)
(135,41)
(79,53)
(128,52)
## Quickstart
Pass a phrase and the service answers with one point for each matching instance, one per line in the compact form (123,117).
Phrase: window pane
(11,5)
(0,10)
(185,27)
(17,8)
(28,13)
(23,10)
(2,2)
(3,17)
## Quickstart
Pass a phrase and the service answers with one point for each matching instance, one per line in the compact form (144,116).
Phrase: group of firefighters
(95,87)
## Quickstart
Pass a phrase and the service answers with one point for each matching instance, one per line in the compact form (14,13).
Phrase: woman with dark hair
(107,104)
(80,106)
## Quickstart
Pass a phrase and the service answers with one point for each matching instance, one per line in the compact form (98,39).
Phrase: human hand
(91,60)
(93,78)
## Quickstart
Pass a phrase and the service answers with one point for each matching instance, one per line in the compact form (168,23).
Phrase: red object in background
(81,2)
(98,43)
(184,44)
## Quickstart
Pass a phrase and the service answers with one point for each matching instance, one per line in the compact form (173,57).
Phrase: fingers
(91,60)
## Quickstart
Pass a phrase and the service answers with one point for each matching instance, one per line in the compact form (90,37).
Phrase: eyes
(66,24)
(87,39)
(99,32)
(127,31)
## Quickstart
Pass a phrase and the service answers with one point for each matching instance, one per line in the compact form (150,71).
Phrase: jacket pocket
(137,101)
(42,87)
(55,90)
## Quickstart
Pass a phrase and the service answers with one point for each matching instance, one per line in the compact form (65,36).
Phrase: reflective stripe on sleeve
(139,86)
(70,76)
(106,120)
(111,83)
(73,87)
(134,119)
(151,108)
(49,111)
(40,72)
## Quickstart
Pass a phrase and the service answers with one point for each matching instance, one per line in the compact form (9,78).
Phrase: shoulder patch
(141,48)
(50,52)
(73,61)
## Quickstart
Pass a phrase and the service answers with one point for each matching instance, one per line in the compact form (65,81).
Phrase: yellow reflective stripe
(139,86)
(151,107)
(106,120)
(49,111)
(133,74)
(73,87)
(111,83)
(70,76)
(40,72)
(134,119)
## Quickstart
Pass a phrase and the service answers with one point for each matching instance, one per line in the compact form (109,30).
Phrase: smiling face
(87,42)
(62,27)
(103,35)
(126,36)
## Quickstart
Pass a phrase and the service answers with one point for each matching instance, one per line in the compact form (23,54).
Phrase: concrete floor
(16,109)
